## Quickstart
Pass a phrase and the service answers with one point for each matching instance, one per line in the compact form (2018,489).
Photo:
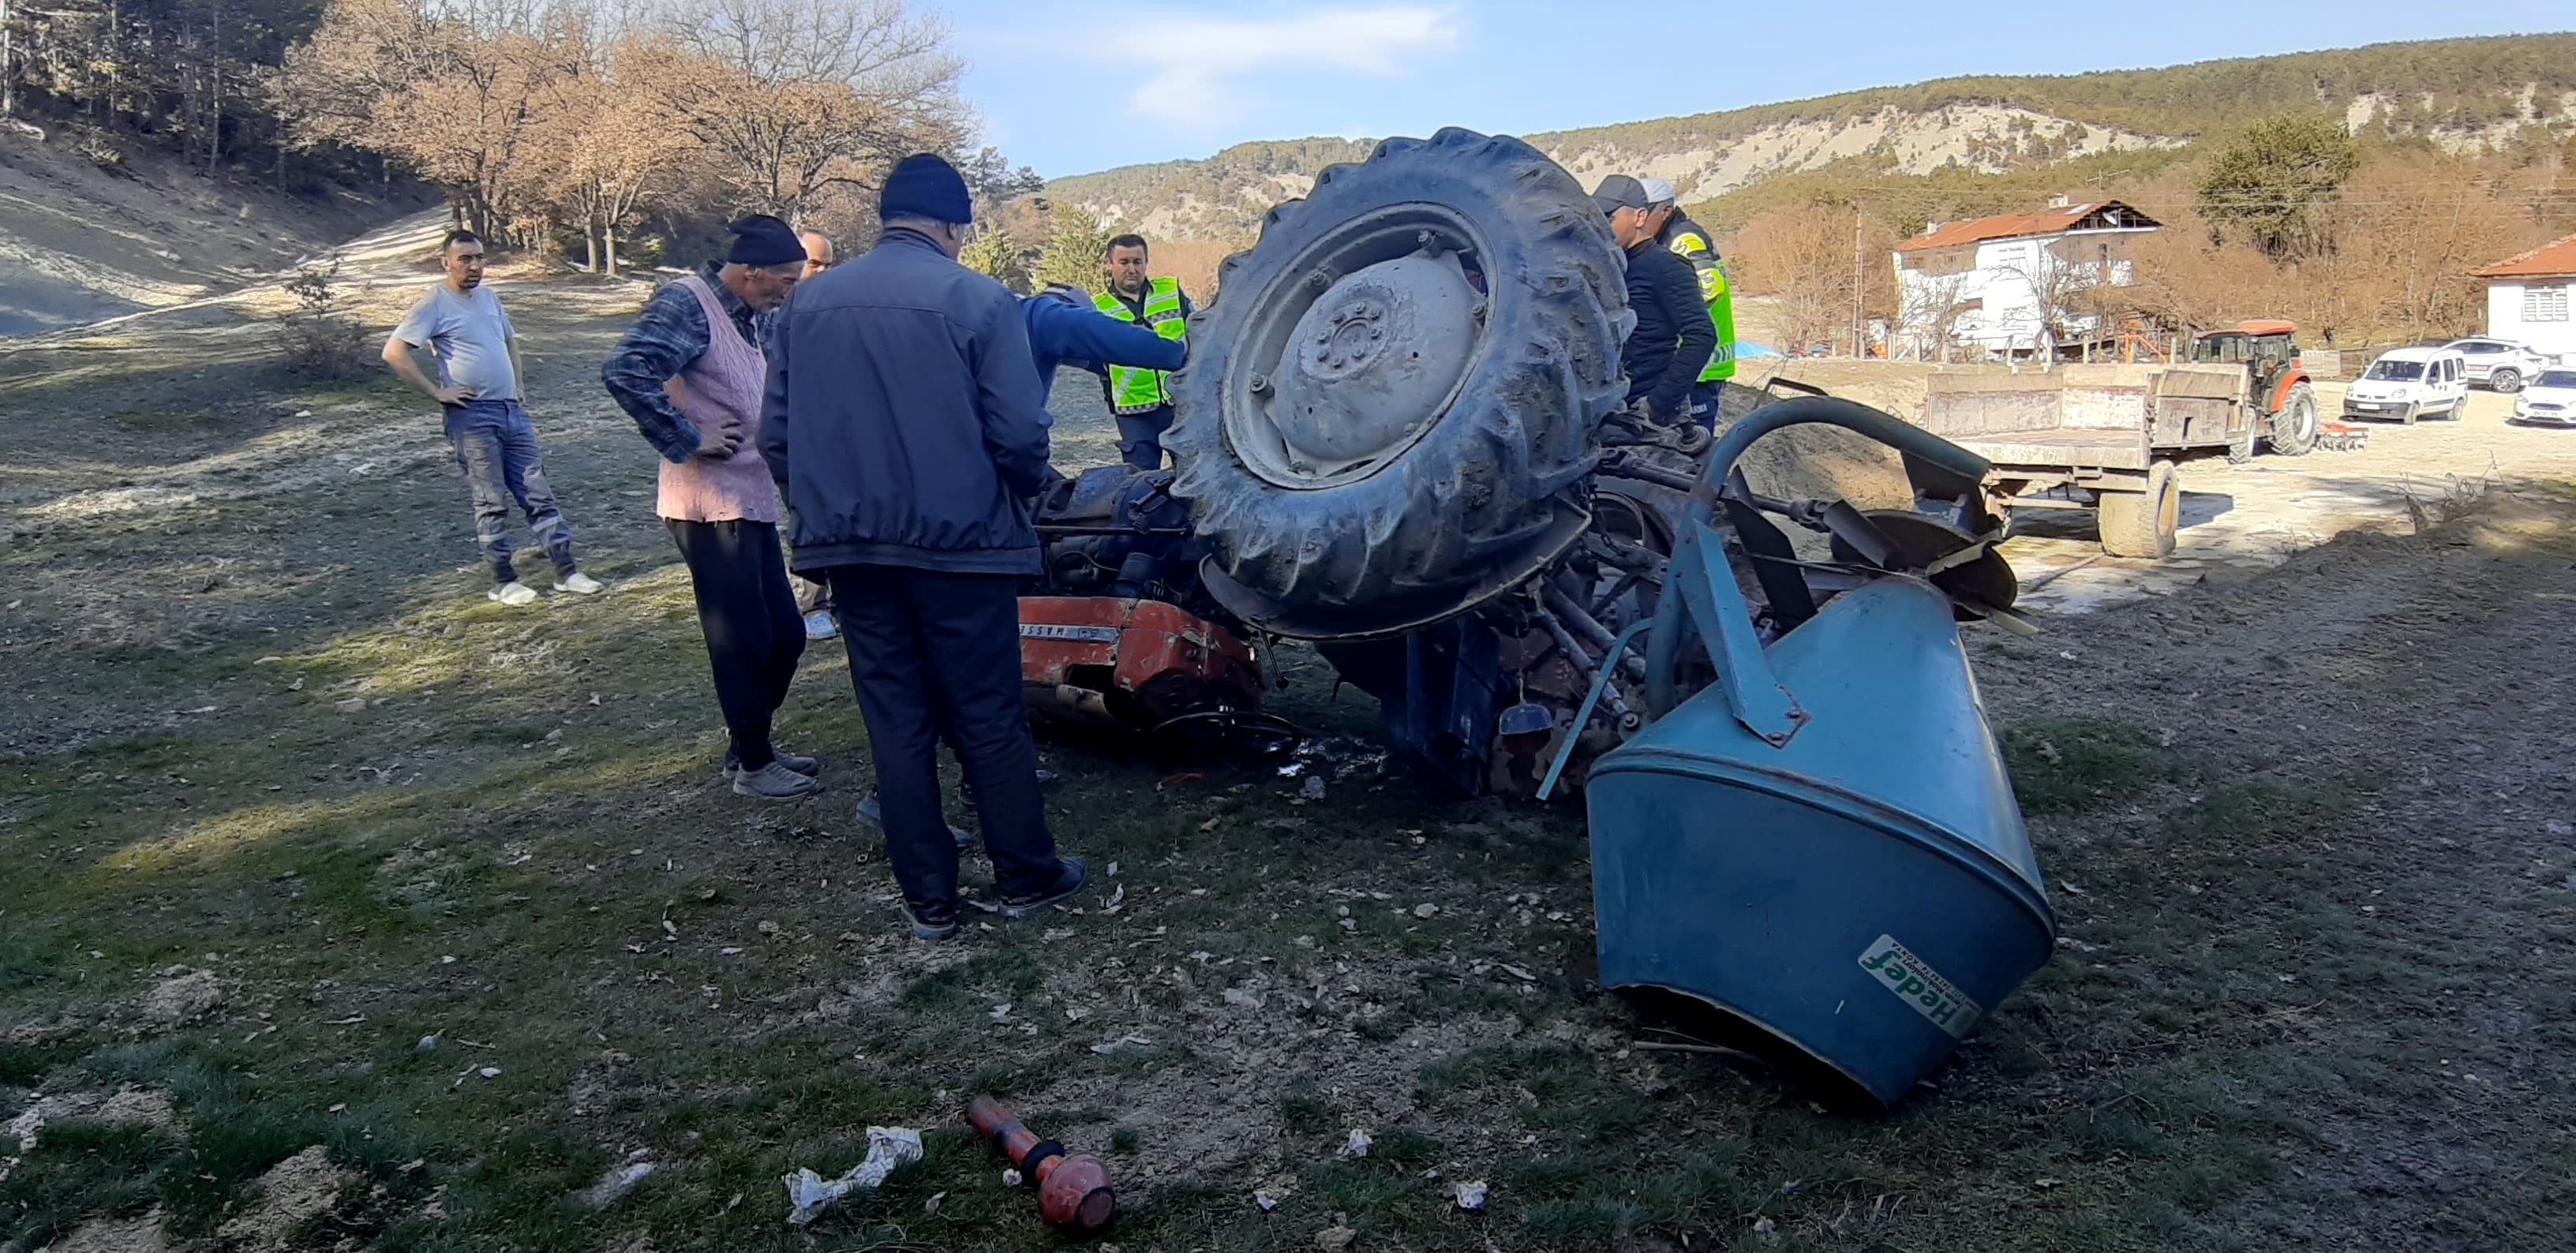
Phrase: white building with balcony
(2015,283)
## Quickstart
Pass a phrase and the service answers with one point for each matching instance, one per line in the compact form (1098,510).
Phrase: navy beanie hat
(926,186)
(763,240)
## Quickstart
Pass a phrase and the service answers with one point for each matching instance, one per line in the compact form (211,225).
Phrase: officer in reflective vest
(1676,231)
(1137,398)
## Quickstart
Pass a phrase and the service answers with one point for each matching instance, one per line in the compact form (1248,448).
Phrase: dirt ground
(2237,520)
(416,919)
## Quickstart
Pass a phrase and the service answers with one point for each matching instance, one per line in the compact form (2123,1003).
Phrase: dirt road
(2238,520)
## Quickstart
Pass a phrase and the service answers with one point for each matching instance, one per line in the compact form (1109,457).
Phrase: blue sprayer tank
(1823,842)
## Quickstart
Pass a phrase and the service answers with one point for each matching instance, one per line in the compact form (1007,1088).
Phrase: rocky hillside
(2458,93)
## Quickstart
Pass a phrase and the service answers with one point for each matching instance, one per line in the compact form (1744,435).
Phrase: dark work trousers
(498,448)
(1703,403)
(1140,437)
(936,656)
(754,634)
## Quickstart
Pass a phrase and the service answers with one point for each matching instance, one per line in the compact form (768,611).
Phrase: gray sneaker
(775,782)
(806,766)
(874,815)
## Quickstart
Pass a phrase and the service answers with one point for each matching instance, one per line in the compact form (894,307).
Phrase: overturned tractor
(1402,439)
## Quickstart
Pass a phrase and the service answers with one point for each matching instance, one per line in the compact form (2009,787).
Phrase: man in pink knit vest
(690,373)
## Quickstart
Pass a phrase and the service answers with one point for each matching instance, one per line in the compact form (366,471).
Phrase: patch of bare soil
(293,1193)
(116,1235)
(125,1107)
(2428,679)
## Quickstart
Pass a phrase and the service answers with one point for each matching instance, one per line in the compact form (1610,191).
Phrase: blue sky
(1076,87)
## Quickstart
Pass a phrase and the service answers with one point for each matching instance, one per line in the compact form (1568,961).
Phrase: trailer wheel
(2295,427)
(2240,447)
(2142,524)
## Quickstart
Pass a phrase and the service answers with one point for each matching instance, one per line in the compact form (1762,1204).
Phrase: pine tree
(1075,250)
(2270,181)
(993,252)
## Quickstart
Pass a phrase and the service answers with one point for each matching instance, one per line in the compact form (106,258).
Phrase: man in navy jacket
(1064,326)
(905,424)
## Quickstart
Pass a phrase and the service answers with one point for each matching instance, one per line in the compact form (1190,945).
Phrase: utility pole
(1860,283)
(8,64)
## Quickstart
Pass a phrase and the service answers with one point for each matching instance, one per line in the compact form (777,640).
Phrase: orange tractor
(2268,349)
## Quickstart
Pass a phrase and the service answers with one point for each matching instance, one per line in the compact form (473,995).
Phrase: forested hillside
(2487,93)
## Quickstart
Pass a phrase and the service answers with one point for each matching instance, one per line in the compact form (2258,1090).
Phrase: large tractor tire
(1389,412)
(2296,426)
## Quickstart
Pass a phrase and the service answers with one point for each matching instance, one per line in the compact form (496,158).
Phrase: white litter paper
(809,1194)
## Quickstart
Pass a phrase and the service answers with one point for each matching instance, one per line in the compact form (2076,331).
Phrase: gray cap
(1657,191)
(1619,192)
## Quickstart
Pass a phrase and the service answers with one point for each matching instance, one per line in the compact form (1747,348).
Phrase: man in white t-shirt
(478,390)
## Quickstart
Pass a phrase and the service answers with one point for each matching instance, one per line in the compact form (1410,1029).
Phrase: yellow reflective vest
(1685,237)
(1134,390)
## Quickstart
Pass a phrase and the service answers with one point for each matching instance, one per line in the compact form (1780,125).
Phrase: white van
(2410,383)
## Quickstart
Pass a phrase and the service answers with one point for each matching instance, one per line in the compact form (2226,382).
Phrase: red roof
(2013,226)
(2545,261)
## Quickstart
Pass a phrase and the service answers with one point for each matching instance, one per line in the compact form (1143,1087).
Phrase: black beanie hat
(926,186)
(763,240)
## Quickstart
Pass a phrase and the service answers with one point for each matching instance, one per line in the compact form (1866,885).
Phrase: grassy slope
(651,965)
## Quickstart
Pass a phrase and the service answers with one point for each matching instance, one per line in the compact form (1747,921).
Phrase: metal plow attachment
(1821,841)
(2342,437)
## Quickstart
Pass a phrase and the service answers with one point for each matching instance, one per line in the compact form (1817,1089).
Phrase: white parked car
(2410,383)
(2502,365)
(2550,400)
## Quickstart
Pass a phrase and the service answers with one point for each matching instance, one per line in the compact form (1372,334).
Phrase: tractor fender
(2281,386)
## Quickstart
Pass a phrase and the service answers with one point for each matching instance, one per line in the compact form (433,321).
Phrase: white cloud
(1193,64)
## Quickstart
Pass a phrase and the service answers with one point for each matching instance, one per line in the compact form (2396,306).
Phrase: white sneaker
(819,626)
(580,584)
(513,594)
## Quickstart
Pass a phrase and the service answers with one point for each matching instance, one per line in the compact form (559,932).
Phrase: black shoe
(1048,781)
(1070,878)
(931,922)
(805,766)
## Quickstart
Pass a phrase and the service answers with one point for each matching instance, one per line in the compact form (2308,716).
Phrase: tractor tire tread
(1484,481)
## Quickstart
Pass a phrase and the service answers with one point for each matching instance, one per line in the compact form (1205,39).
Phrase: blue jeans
(498,448)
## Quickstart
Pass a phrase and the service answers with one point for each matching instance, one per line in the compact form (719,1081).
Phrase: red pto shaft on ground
(1073,1189)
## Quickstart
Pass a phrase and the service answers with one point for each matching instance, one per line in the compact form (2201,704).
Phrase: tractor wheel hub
(1373,362)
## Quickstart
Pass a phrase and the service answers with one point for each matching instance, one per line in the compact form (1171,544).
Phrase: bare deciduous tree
(1804,258)
(796,97)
